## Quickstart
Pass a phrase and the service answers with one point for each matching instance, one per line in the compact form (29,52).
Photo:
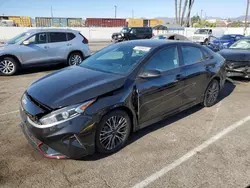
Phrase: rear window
(71,36)
(57,37)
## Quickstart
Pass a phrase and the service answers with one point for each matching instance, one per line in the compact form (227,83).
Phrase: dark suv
(132,33)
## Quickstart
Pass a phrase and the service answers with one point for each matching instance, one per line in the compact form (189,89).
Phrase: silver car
(37,47)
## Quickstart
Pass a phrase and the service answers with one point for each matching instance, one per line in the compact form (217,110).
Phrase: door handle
(69,44)
(46,47)
(209,66)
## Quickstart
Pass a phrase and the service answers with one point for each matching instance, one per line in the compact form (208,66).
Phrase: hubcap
(75,60)
(212,93)
(7,66)
(114,132)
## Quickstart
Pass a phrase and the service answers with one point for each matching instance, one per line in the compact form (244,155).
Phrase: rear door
(197,63)
(160,96)
(58,46)
(37,49)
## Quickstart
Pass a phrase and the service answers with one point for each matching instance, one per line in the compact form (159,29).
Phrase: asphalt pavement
(200,147)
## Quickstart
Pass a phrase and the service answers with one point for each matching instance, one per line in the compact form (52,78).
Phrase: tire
(212,93)
(104,142)
(206,42)
(8,66)
(75,58)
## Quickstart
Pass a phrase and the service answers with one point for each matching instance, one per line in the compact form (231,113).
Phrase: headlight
(231,65)
(122,34)
(226,44)
(64,114)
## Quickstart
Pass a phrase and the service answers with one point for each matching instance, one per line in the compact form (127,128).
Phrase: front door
(162,95)
(36,51)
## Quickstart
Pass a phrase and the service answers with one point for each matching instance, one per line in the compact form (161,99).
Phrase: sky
(105,8)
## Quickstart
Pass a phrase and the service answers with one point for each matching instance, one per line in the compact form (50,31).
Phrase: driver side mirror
(150,74)
(26,42)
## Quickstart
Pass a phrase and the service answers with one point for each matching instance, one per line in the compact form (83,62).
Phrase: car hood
(235,55)
(73,85)
(222,41)
(6,47)
(200,35)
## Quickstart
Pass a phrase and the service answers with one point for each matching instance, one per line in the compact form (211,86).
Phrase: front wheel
(212,93)
(8,66)
(75,58)
(113,132)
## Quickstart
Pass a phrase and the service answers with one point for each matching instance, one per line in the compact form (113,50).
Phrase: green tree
(236,24)
(195,19)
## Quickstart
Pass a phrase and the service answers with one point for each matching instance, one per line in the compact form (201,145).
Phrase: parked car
(132,33)
(170,36)
(118,90)
(238,58)
(43,46)
(225,41)
(202,36)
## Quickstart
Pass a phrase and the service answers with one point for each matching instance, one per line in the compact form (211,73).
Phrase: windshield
(226,37)
(125,30)
(241,44)
(118,59)
(18,38)
(202,31)
(159,37)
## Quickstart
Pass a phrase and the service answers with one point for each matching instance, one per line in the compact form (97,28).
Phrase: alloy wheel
(212,92)
(114,132)
(7,67)
(75,59)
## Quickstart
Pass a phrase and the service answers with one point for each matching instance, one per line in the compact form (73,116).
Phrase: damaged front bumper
(238,72)
(73,139)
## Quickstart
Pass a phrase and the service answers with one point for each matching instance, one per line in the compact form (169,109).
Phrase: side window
(39,38)
(192,55)
(133,31)
(71,36)
(57,37)
(165,59)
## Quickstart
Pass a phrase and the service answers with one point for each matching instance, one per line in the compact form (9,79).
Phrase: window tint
(71,36)
(39,38)
(164,60)
(57,37)
(192,55)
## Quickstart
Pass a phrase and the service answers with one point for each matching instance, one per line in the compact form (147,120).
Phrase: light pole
(246,18)
(115,10)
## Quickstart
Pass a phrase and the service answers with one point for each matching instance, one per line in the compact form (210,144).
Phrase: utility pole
(201,13)
(51,11)
(132,13)
(246,18)
(115,10)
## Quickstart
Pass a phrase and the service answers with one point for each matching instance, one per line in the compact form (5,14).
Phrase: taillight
(85,40)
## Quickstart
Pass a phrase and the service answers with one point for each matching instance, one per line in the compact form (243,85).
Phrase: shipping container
(43,22)
(21,21)
(154,22)
(74,22)
(105,22)
(135,23)
(144,22)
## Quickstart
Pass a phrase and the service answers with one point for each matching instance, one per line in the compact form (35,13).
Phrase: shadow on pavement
(228,89)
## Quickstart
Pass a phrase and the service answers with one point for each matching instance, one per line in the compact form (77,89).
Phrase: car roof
(154,43)
(51,30)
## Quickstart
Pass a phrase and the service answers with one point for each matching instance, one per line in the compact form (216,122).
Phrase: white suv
(202,36)
(37,47)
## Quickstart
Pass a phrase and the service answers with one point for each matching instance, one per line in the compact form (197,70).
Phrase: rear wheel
(211,94)
(75,58)
(113,132)
(8,66)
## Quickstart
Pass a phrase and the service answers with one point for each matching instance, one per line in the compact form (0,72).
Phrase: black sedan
(124,87)
(238,58)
